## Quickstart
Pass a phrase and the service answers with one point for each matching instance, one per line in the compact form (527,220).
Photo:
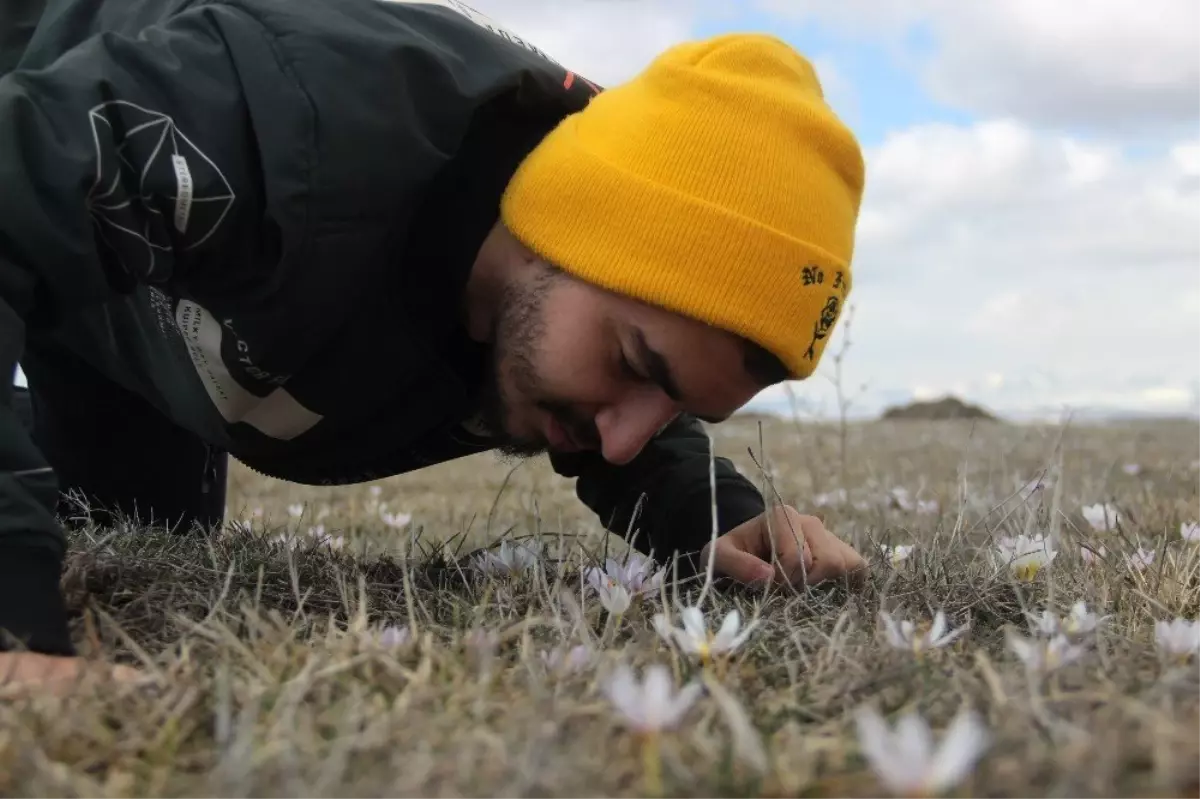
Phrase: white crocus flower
(897,554)
(648,708)
(1190,532)
(509,559)
(1140,560)
(323,537)
(1025,555)
(296,510)
(396,520)
(564,660)
(904,758)
(393,636)
(637,575)
(1092,556)
(904,634)
(1079,622)
(695,638)
(1178,639)
(901,498)
(652,705)
(1101,516)
(289,541)
(1044,655)
(831,498)
(615,597)
(1045,624)
(1132,469)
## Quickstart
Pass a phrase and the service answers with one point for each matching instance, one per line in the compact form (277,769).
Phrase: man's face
(575,367)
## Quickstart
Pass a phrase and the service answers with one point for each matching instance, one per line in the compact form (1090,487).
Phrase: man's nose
(627,427)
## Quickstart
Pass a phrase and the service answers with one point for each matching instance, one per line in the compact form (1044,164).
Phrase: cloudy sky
(1030,233)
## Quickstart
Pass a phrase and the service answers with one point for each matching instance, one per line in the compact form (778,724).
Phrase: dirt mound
(937,410)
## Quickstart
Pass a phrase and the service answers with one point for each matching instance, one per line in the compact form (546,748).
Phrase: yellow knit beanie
(717,184)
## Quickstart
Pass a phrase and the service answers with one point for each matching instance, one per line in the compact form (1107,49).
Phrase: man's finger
(794,565)
(831,555)
(25,673)
(820,548)
(791,549)
(123,673)
(822,570)
(739,564)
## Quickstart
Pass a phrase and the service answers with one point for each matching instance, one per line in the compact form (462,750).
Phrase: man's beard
(519,327)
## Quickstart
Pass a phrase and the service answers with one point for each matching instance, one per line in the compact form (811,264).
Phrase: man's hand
(804,551)
(24,673)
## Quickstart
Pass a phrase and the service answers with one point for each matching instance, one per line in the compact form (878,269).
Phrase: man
(345,239)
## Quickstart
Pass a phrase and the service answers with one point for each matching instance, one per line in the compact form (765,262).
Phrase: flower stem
(652,764)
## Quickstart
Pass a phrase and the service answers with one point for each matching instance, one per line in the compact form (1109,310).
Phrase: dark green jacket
(260,214)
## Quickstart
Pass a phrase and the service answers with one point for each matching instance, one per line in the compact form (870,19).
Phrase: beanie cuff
(674,250)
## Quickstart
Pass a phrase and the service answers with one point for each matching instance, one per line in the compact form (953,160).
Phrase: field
(272,673)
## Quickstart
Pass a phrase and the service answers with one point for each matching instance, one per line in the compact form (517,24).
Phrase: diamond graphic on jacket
(154,190)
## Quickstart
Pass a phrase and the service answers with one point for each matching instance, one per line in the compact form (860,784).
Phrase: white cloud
(1187,157)
(1025,270)
(1108,65)
(607,41)
(839,91)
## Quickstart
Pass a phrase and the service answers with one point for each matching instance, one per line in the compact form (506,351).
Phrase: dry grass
(272,680)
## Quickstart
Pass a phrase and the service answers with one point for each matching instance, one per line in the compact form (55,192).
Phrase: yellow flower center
(920,634)
(1027,571)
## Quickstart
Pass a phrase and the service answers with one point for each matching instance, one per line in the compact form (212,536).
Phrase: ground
(269,673)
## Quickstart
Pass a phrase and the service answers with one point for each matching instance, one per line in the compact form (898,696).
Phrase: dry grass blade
(273,675)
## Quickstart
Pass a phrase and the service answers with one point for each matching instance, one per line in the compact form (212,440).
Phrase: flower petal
(875,740)
(693,622)
(728,630)
(964,741)
(939,627)
(624,692)
(913,739)
(682,703)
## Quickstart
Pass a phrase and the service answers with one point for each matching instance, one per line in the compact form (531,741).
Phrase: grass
(272,680)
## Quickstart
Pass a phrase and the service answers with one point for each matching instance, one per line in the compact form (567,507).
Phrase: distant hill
(756,416)
(937,410)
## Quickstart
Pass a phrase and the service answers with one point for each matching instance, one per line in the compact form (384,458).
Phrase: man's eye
(627,368)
